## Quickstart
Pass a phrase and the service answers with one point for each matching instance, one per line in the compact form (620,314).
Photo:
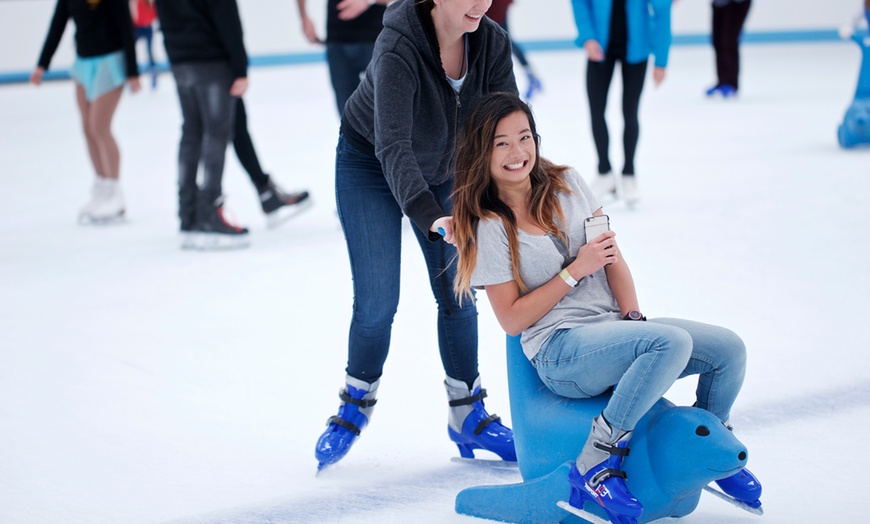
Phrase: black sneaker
(280,206)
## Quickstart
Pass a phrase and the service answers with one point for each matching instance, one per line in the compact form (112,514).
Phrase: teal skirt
(100,74)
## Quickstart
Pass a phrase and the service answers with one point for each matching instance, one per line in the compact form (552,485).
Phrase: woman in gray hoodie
(432,61)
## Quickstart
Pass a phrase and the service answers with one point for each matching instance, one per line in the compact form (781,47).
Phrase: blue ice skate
(723,90)
(743,487)
(470,427)
(358,399)
(597,476)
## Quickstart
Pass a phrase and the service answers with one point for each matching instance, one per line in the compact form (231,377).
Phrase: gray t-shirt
(541,258)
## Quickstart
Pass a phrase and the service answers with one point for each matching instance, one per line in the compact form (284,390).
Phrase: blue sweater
(648,21)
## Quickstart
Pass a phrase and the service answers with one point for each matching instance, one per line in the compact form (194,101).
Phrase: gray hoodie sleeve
(394,122)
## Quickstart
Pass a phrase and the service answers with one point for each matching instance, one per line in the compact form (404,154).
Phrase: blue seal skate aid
(675,452)
(855,128)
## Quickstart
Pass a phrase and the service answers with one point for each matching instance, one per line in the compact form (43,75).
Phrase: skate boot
(723,90)
(604,186)
(743,487)
(358,400)
(106,204)
(596,476)
(187,207)
(470,427)
(280,206)
(213,231)
(629,190)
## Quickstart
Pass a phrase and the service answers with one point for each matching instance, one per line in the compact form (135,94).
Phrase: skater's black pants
(244,147)
(208,111)
(727,24)
(598,78)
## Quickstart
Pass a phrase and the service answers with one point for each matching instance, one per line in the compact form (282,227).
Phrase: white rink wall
(272,26)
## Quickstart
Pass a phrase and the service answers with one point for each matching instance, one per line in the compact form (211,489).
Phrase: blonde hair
(475,194)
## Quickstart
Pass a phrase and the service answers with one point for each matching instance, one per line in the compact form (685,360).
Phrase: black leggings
(245,151)
(727,24)
(598,77)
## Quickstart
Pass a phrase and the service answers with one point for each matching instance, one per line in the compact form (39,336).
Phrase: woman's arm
(515,313)
(622,285)
(55,32)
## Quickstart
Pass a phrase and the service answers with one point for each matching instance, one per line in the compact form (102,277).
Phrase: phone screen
(596,225)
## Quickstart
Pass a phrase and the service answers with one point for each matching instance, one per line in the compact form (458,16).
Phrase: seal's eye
(702,431)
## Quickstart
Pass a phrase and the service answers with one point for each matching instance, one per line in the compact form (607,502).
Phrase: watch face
(634,315)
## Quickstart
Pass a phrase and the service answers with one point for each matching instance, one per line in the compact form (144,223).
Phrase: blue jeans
(347,63)
(642,360)
(372,224)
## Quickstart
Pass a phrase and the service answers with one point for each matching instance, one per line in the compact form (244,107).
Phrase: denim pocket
(565,388)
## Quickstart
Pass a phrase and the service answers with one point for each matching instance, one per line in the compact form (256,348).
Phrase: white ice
(140,383)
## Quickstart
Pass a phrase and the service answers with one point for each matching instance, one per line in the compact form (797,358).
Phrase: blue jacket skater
(648,21)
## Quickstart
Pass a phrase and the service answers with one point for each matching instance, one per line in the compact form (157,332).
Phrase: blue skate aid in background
(675,453)
(855,128)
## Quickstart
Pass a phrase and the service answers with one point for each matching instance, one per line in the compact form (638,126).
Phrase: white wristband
(568,278)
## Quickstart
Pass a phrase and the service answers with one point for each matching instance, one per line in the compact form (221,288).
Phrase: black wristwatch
(633,315)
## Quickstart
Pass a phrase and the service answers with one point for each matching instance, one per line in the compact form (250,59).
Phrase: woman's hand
(240,85)
(309,31)
(658,75)
(36,76)
(134,84)
(593,50)
(444,227)
(596,254)
(350,9)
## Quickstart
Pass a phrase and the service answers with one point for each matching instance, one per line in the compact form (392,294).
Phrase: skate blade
(591,517)
(283,214)
(731,500)
(105,220)
(214,242)
(485,463)
(322,468)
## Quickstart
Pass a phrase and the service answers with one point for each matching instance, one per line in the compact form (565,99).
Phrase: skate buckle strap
(468,400)
(363,403)
(605,474)
(350,426)
(613,450)
(486,422)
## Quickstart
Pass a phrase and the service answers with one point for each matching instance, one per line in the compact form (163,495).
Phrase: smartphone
(596,225)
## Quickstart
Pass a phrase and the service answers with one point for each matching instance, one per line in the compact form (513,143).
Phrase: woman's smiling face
(463,16)
(513,151)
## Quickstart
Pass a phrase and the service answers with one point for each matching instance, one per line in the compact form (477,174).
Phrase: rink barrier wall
(532,46)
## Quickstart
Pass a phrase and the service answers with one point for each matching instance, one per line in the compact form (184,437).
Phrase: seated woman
(518,224)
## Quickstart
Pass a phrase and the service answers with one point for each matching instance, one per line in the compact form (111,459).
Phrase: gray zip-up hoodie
(407,114)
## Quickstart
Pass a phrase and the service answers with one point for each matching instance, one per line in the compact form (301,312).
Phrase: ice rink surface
(140,383)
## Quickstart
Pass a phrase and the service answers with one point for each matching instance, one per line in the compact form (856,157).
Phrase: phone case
(596,225)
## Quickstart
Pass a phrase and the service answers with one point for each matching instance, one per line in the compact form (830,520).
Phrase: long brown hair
(475,194)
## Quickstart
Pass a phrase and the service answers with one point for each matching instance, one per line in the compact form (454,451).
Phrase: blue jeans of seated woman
(642,360)
(372,224)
